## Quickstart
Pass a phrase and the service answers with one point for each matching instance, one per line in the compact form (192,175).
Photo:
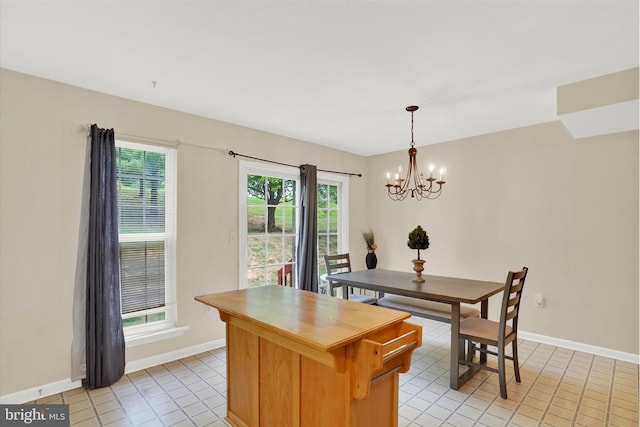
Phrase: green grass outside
(265,254)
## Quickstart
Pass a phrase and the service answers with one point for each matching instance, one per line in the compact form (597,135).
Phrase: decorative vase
(371,260)
(418,267)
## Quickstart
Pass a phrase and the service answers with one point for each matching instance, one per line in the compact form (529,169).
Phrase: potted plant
(418,239)
(371,260)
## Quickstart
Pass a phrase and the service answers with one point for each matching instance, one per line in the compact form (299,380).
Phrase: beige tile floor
(559,387)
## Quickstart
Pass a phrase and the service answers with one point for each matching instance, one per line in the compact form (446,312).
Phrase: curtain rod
(176,143)
(143,139)
(171,143)
(234,154)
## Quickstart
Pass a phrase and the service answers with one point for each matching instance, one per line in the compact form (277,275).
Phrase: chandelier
(415,183)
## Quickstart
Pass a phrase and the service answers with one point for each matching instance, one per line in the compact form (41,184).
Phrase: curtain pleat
(307,248)
(105,347)
(79,342)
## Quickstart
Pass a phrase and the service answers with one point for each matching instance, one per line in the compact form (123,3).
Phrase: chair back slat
(340,263)
(338,268)
(511,300)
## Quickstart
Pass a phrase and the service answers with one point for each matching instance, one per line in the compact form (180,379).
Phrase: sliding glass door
(268,218)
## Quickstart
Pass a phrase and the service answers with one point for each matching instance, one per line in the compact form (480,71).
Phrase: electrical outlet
(539,302)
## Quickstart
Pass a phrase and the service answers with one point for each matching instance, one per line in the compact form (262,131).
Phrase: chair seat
(364,299)
(482,328)
(428,309)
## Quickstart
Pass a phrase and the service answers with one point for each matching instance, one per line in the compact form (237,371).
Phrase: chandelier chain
(412,143)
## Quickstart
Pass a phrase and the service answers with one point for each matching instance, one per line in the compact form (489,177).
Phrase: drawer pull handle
(400,338)
(393,353)
(386,374)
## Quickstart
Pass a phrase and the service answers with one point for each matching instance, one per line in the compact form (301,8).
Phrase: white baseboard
(45,390)
(39,392)
(577,346)
(159,359)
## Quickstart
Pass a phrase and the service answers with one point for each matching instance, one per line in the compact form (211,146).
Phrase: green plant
(418,239)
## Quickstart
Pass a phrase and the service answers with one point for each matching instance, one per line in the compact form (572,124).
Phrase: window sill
(151,336)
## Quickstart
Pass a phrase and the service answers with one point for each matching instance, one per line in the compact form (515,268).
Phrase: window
(269,211)
(269,214)
(332,202)
(147,231)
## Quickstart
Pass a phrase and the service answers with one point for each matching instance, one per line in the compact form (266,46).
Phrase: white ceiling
(336,73)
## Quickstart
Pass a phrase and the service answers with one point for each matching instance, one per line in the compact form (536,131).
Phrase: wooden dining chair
(341,263)
(480,333)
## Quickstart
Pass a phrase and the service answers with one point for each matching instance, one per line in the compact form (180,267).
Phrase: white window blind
(142,276)
(146,209)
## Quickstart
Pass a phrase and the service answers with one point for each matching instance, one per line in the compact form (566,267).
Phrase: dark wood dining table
(449,290)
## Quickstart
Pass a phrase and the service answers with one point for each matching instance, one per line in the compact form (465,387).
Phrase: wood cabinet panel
(279,385)
(242,373)
(380,408)
(324,395)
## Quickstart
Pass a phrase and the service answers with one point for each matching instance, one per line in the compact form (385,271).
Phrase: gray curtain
(105,347)
(307,248)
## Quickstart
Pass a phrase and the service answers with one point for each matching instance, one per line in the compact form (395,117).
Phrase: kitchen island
(297,358)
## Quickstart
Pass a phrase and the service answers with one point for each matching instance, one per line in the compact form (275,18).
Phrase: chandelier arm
(434,195)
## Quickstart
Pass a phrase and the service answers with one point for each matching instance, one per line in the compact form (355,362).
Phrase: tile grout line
(513,412)
(435,362)
(201,379)
(555,391)
(611,385)
(521,402)
(484,411)
(93,405)
(180,361)
(187,387)
(584,386)
(120,402)
(158,416)
(610,404)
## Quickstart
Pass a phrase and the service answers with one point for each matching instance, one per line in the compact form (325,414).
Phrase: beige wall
(42,143)
(534,196)
(599,91)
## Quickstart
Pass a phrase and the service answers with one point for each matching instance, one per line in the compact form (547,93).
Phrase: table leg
(484,313)
(455,347)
